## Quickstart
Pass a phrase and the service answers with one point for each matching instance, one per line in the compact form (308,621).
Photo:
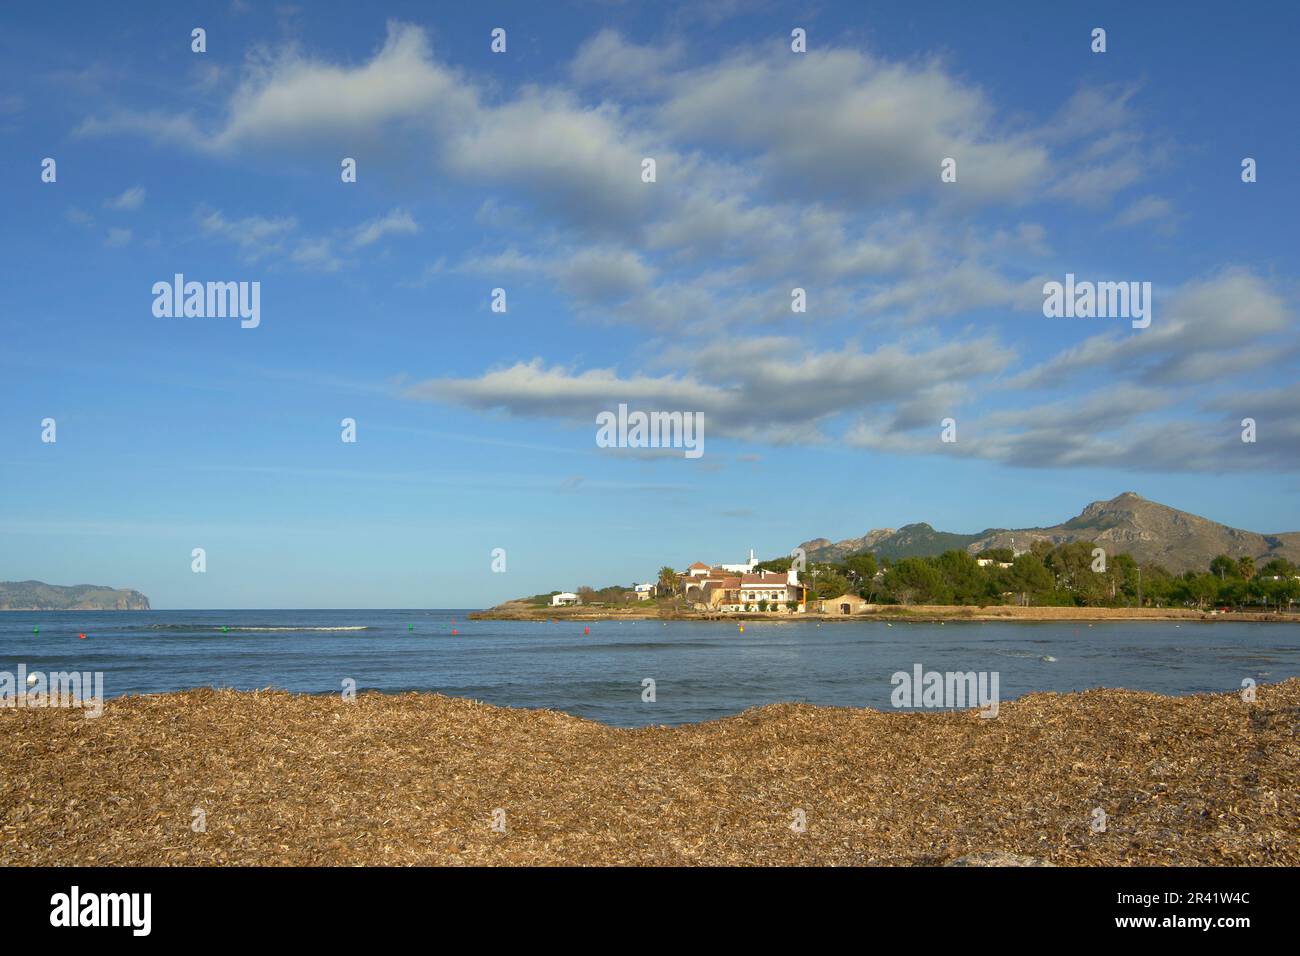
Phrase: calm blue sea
(702,670)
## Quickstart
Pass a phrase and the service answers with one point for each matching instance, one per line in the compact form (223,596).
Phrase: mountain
(39,596)
(1127,524)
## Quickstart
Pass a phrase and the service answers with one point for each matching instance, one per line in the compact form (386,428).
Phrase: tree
(1122,575)
(915,580)
(1233,592)
(1071,567)
(963,578)
(1246,567)
(1198,588)
(1157,585)
(1027,575)
(1223,567)
(667,580)
(1277,567)
(861,567)
(830,584)
(1285,590)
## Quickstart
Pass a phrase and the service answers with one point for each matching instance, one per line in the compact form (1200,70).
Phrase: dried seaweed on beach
(224,777)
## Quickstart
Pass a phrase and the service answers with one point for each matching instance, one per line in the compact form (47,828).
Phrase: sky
(523,170)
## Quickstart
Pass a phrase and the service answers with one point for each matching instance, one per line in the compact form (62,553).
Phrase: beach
(416,778)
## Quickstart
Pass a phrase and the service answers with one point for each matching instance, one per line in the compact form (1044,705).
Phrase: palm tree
(668,580)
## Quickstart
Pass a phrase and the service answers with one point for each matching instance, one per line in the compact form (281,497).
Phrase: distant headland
(39,596)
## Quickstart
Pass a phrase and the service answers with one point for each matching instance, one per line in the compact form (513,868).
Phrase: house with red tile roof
(770,590)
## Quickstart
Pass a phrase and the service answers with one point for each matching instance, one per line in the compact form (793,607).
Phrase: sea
(700,670)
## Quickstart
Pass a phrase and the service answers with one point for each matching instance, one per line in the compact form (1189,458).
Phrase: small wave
(355,627)
(196,628)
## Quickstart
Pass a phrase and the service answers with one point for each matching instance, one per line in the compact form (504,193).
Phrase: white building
(745,592)
(746,568)
(564,597)
(645,592)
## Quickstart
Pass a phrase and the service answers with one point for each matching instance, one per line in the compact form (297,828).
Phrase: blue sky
(521,170)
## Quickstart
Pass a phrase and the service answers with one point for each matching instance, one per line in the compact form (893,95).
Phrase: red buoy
(82,636)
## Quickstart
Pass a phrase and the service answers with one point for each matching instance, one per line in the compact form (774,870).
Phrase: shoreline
(918,613)
(419,778)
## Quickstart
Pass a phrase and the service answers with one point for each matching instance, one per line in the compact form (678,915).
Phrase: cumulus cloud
(817,171)
(763,389)
(846,124)
(1204,331)
(607,60)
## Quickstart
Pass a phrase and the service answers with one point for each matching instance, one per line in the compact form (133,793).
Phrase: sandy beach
(275,778)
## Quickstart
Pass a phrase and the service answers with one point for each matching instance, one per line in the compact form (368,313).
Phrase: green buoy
(36,630)
(225,630)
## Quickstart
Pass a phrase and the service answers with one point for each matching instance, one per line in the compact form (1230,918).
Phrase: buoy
(453,632)
(81,636)
(586,630)
(31,679)
(225,630)
(410,627)
(36,630)
(742,629)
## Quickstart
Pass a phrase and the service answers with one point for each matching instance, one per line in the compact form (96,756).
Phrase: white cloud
(1154,210)
(608,61)
(130,200)
(257,236)
(399,222)
(767,389)
(843,123)
(1204,331)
